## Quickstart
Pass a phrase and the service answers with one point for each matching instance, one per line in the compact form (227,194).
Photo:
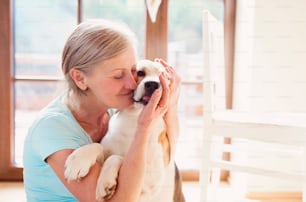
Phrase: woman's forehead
(125,60)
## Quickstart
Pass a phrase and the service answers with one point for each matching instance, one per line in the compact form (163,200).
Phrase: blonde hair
(90,43)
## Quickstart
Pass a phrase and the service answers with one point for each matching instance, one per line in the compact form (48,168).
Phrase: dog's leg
(80,160)
(178,191)
(107,181)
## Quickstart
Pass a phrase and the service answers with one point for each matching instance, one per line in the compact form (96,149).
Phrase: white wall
(270,57)
(270,74)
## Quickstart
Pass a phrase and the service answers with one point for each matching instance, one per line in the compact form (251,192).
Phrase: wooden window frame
(229,56)
(156,34)
(7,170)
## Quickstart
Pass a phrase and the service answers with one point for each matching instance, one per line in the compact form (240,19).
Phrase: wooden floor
(14,192)
(276,197)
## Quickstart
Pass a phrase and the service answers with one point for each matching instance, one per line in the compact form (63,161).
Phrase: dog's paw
(79,162)
(76,168)
(106,189)
(107,181)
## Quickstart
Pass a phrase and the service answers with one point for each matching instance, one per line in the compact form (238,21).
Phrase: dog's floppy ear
(163,140)
(78,78)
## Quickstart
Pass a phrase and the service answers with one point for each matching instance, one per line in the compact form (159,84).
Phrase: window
(31,52)
(30,57)
(185,54)
(38,46)
(131,12)
(38,43)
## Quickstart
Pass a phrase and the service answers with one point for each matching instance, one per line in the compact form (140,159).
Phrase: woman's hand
(163,104)
(157,107)
(171,116)
(174,86)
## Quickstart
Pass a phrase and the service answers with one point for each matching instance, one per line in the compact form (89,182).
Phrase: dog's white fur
(159,177)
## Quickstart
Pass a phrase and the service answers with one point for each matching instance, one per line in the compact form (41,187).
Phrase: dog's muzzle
(149,88)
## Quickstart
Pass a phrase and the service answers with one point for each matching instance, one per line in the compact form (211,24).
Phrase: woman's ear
(78,78)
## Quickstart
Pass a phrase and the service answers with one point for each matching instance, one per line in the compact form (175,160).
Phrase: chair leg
(304,192)
(205,170)
(304,173)
(204,176)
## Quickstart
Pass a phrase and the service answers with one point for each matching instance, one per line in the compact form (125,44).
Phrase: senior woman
(98,63)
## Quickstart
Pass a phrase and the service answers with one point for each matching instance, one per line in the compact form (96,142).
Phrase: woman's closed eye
(118,75)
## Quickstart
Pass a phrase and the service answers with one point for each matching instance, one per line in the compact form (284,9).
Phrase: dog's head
(147,80)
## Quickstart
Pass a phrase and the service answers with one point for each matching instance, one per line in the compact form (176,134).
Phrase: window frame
(7,170)
(155,32)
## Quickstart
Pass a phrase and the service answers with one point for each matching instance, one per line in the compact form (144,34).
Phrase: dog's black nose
(151,86)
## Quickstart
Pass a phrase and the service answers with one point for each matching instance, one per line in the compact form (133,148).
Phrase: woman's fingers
(174,82)
(165,95)
(155,98)
(163,62)
(173,76)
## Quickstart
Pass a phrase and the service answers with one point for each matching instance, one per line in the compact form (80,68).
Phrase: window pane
(131,12)
(40,31)
(185,53)
(30,98)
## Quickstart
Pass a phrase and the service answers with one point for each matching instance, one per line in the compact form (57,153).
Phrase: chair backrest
(270,129)
(213,48)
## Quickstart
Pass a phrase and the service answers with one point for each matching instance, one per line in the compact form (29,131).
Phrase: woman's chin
(125,105)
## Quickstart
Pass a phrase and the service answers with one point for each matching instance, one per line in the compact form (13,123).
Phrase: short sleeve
(56,132)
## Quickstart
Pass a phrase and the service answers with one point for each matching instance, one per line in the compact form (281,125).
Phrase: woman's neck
(92,119)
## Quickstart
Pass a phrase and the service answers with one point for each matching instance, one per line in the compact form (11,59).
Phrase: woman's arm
(130,176)
(85,189)
(173,129)
(171,117)
(132,171)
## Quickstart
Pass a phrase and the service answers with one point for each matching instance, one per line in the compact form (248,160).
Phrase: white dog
(162,182)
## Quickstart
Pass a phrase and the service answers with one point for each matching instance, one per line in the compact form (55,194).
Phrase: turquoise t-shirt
(54,129)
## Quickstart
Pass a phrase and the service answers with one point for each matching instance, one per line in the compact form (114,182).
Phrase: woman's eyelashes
(119,75)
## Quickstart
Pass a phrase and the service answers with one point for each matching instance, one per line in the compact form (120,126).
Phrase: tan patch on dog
(164,141)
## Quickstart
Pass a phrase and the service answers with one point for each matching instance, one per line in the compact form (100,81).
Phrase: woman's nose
(131,82)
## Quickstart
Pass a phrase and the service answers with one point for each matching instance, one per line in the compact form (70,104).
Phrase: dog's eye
(141,73)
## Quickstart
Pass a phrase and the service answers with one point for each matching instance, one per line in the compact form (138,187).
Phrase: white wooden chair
(275,128)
